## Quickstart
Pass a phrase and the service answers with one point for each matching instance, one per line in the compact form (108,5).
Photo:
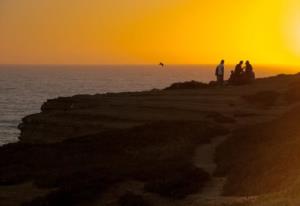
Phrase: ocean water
(23,89)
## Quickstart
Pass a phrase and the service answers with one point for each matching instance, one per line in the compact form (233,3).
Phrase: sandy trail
(212,192)
(204,158)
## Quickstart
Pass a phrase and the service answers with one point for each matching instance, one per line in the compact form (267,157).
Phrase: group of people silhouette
(240,75)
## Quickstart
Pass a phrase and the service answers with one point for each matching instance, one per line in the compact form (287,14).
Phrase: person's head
(222,61)
(241,62)
(247,62)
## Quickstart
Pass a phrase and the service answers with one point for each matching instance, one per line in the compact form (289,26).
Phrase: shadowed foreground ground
(157,147)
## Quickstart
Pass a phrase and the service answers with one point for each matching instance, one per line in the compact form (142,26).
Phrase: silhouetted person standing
(220,72)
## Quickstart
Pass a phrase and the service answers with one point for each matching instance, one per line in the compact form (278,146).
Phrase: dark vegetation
(220,118)
(263,99)
(188,85)
(178,186)
(293,93)
(81,169)
(131,199)
(262,158)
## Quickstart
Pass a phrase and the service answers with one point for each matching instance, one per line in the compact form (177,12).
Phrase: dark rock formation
(188,85)
(71,117)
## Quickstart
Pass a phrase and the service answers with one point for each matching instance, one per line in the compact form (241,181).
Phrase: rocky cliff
(78,148)
(69,117)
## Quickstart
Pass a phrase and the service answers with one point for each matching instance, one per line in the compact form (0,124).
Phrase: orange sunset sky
(149,31)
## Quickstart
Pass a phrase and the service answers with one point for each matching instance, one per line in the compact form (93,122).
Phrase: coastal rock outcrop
(70,117)
(78,147)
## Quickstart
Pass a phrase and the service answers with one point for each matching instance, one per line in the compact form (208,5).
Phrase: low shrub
(131,199)
(220,118)
(178,185)
(262,99)
(292,95)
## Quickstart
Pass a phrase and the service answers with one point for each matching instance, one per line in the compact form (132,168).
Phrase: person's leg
(220,80)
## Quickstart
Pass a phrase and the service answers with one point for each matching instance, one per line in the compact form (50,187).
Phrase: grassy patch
(263,158)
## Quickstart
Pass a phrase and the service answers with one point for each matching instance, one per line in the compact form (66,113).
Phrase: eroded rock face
(50,128)
(81,115)
(69,117)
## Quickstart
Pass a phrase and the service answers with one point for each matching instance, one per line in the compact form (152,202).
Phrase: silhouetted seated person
(249,73)
(239,69)
(239,76)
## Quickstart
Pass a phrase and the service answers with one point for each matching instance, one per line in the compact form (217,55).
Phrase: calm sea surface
(24,88)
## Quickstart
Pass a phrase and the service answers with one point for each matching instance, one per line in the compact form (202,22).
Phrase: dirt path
(204,159)
(212,192)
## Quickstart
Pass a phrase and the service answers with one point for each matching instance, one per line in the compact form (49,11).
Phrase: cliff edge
(78,149)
